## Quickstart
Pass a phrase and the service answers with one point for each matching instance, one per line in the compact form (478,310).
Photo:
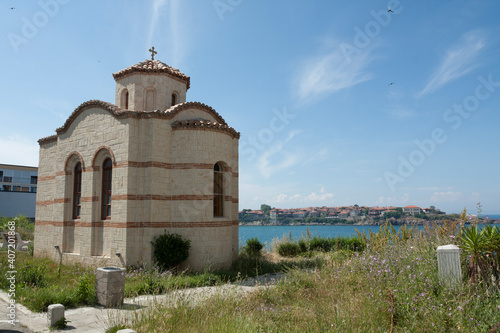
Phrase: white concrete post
(55,313)
(127,330)
(449,268)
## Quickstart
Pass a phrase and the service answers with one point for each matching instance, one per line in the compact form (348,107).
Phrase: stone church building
(117,175)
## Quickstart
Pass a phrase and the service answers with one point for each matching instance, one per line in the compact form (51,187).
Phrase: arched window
(107,173)
(77,191)
(173,101)
(218,191)
(125,99)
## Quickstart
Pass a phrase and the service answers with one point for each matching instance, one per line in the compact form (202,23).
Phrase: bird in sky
(390,10)
(391,83)
(12,8)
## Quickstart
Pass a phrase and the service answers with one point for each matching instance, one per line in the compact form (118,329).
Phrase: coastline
(408,222)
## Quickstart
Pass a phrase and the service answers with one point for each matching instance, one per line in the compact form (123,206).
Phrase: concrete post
(110,286)
(55,313)
(127,330)
(449,268)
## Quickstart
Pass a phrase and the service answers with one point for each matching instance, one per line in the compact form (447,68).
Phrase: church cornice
(95,103)
(220,124)
(153,67)
(205,125)
(174,110)
(47,139)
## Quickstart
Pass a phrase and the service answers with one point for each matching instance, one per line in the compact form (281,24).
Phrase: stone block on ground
(55,313)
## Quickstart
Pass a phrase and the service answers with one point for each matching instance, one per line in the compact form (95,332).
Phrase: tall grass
(38,284)
(390,288)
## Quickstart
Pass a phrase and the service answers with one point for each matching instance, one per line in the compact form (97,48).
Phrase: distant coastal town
(353,215)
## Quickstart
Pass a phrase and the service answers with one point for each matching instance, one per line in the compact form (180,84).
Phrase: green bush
(303,245)
(170,250)
(288,249)
(85,292)
(32,274)
(253,248)
(350,243)
(319,243)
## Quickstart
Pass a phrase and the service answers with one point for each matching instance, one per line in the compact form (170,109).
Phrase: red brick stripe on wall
(188,197)
(90,199)
(133,225)
(51,202)
(118,197)
(150,164)
(45,178)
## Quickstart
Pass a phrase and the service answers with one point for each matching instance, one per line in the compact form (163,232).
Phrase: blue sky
(307,83)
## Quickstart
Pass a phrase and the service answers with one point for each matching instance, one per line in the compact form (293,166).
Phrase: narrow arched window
(173,100)
(218,190)
(77,191)
(107,173)
(124,102)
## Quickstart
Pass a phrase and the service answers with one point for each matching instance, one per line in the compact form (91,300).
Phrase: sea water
(266,234)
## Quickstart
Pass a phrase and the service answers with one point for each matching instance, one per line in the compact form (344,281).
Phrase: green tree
(265,209)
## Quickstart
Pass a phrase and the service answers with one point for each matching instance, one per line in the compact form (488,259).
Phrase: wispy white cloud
(448,196)
(326,74)
(393,201)
(275,158)
(172,37)
(59,108)
(401,113)
(297,199)
(18,149)
(316,156)
(459,60)
(158,7)
(435,188)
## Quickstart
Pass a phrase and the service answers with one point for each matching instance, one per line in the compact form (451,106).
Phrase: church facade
(114,176)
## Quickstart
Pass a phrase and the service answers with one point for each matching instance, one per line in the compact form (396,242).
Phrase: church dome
(153,67)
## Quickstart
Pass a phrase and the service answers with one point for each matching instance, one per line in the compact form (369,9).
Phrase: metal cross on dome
(153,52)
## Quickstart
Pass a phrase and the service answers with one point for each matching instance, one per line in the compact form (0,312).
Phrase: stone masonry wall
(162,180)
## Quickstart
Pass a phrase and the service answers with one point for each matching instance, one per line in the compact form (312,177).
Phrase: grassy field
(392,286)
(377,282)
